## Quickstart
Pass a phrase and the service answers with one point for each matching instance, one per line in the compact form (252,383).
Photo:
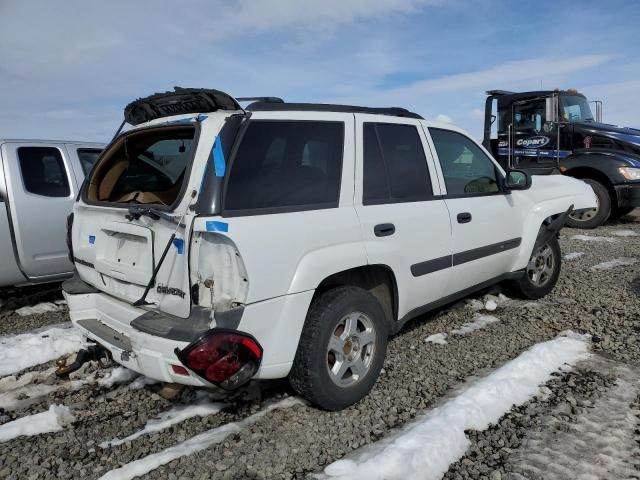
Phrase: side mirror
(517,180)
(551,109)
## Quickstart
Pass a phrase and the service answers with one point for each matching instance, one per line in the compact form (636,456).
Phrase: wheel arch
(582,173)
(377,279)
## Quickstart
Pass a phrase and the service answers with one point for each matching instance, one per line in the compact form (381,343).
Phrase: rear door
(41,190)
(405,225)
(486,223)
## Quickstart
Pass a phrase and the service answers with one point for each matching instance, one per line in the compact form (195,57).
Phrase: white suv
(215,245)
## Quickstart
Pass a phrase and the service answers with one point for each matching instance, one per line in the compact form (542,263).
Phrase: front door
(41,189)
(405,225)
(485,223)
(534,138)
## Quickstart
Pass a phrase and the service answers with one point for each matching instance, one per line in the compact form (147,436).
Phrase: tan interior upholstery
(110,178)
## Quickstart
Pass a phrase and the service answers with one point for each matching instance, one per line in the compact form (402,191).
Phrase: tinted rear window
(88,157)
(395,167)
(287,165)
(43,171)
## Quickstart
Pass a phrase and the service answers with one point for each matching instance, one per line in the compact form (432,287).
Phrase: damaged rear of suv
(214,245)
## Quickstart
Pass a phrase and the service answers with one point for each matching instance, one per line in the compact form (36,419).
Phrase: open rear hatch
(134,205)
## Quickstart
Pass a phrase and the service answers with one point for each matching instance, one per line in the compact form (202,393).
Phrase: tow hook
(93,353)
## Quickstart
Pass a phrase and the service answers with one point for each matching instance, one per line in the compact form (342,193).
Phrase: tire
(542,271)
(347,317)
(597,216)
(621,212)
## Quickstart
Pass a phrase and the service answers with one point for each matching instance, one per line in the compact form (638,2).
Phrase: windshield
(575,108)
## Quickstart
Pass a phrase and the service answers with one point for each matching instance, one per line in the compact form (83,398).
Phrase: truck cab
(556,131)
(39,181)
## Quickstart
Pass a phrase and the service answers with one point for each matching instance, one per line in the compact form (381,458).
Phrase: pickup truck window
(466,168)
(395,167)
(286,165)
(43,171)
(88,157)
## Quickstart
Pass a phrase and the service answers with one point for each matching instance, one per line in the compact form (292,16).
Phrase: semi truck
(556,132)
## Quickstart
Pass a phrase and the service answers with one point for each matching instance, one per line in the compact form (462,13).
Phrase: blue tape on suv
(213,226)
(179,244)
(219,164)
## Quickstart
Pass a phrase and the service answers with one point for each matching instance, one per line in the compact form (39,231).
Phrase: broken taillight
(223,357)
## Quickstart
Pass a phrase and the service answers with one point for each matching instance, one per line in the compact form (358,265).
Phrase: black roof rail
(498,93)
(326,107)
(178,102)
(260,99)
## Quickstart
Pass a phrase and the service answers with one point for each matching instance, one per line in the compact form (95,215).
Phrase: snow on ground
(437,338)
(29,349)
(624,233)
(477,322)
(194,444)
(600,443)
(593,238)
(573,255)
(141,382)
(116,376)
(53,420)
(170,417)
(426,448)
(616,262)
(39,308)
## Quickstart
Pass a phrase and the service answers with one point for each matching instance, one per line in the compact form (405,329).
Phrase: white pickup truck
(39,181)
(216,244)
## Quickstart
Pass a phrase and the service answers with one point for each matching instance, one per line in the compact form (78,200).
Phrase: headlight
(630,173)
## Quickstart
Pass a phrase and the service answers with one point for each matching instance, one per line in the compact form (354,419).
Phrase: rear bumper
(628,194)
(276,324)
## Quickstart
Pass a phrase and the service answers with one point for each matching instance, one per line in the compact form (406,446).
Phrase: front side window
(394,168)
(286,165)
(88,157)
(530,115)
(466,168)
(43,171)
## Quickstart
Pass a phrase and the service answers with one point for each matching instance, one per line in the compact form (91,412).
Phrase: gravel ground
(300,440)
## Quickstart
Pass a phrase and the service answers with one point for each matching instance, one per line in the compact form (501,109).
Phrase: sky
(69,67)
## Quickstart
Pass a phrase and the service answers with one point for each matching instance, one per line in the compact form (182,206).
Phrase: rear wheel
(542,271)
(593,217)
(341,349)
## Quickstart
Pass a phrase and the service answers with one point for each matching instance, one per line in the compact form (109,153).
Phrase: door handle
(384,229)
(464,217)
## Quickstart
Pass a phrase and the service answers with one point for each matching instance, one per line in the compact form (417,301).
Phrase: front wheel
(542,271)
(341,349)
(594,217)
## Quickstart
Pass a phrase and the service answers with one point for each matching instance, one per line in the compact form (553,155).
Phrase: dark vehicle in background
(39,181)
(555,131)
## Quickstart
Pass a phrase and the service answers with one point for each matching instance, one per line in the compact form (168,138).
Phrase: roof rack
(326,107)
(178,102)
(260,99)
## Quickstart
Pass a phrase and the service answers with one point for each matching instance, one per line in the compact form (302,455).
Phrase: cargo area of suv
(146,167)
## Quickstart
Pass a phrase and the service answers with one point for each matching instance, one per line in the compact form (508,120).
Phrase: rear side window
(287,166)
(43,171)
(88,157)
(395,167)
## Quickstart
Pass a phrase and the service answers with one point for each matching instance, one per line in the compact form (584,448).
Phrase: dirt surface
(598,293)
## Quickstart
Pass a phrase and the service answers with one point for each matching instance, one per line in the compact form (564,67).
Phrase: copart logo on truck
(532,142)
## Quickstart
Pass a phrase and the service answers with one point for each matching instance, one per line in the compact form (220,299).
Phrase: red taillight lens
(225,358)
(68,238)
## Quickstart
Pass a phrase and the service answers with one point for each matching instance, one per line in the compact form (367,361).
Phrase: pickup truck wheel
(593,217)
(341,349)
(542,271)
